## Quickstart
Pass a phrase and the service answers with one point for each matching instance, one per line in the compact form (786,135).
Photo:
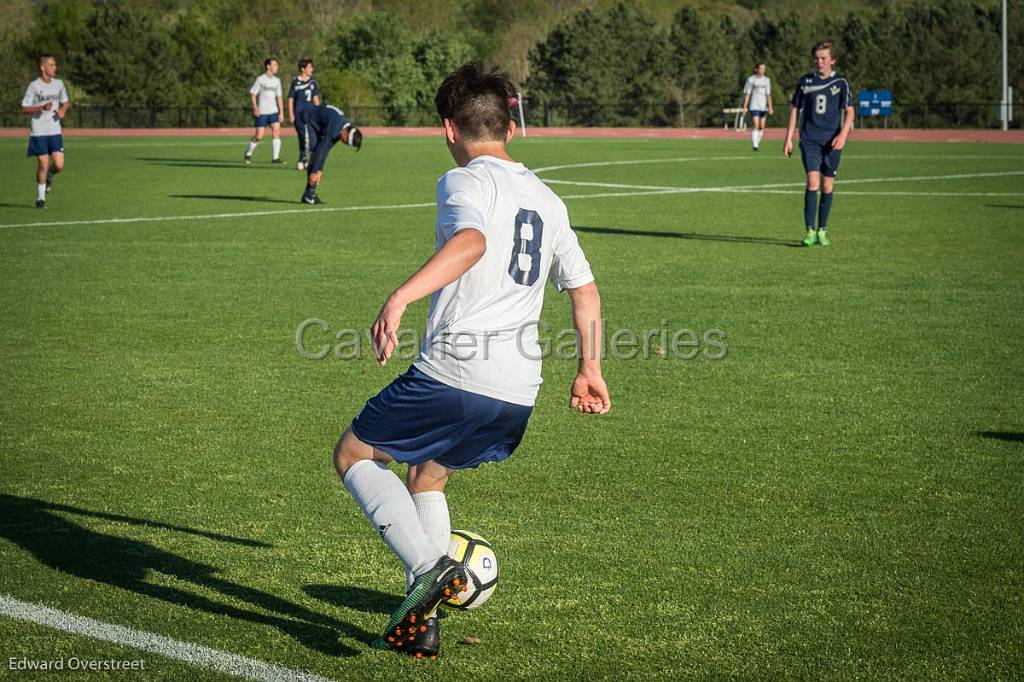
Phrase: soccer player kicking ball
(822,97)
(500,235)
(46,99)
(326,126)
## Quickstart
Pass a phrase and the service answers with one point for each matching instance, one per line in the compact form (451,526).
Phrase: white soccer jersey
(41,92)
(267,89)
(482,329)
(759,88)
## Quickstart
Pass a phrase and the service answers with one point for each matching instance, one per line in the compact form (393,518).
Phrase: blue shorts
(44,145)
(758,113)
(265,120)
(417,418)
(820,157)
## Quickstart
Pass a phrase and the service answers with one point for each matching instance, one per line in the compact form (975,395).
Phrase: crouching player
(500,234)
(326,126)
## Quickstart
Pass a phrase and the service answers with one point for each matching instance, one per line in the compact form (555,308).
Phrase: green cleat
(810,239)
(823,238)
(408,630)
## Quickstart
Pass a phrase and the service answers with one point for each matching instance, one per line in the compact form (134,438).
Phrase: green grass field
(840,497)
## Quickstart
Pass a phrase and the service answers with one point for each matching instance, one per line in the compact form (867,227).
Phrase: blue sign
(874,103)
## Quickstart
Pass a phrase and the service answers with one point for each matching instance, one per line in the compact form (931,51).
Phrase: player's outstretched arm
(589,394)
(450,262)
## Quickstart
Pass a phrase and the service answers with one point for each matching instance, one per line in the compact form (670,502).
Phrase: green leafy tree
(379,47)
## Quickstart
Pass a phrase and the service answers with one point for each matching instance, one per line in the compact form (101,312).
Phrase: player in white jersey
(500,235)
(267,108)
(757,99)
(46,100)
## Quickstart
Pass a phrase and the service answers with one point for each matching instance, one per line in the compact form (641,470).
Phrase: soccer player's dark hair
(477,100)
(44,57)
(826,45)
(304,62)
(266,64)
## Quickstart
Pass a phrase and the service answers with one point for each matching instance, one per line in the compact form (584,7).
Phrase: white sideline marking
(212,216)
(193,654)
(644,190)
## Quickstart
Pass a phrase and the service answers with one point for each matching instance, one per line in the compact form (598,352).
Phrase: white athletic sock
(41,191)
(753,137)
(251,149)
(760,134)
(432,510)
(390,509)
(275,145)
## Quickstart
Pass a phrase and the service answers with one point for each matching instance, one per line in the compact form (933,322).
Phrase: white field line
(749,157)
(214,216)
(636,191)
(193,654)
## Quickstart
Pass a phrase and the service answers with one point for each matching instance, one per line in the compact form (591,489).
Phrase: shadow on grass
(233,197)
(358,598)
(1010,436)
(42,529)
(25,205)
(1017,206)
(768,241)
(202,163)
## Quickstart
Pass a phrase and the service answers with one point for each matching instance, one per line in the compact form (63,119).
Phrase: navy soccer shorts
(44,145)
(417,418)
(820,157)
(758,113)
(265,120)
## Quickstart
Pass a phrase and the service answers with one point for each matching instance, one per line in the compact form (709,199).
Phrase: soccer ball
(477,555)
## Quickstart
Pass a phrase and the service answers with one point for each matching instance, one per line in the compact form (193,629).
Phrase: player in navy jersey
(822,100)
(303,96)
(326,126)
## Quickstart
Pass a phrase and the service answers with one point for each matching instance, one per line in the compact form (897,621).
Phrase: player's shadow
(1018,206)
(42,529)
(735,239)
(231,197)
(203,163)
(358,598)
(1010,436)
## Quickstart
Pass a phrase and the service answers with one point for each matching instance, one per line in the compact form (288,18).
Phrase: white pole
(522,119)
(1005,109)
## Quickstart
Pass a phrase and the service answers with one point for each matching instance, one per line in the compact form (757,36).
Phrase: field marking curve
(192,654)
(636,190)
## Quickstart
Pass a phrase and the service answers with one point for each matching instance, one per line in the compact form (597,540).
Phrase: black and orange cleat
(413,629)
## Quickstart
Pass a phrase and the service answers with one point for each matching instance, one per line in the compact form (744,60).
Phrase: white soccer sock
(760,133)
(251,149)
(275,145)
(390,509)
(753,137)
(41,191)
(432,510)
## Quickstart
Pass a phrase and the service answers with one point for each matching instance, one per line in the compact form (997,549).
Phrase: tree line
(581,63)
